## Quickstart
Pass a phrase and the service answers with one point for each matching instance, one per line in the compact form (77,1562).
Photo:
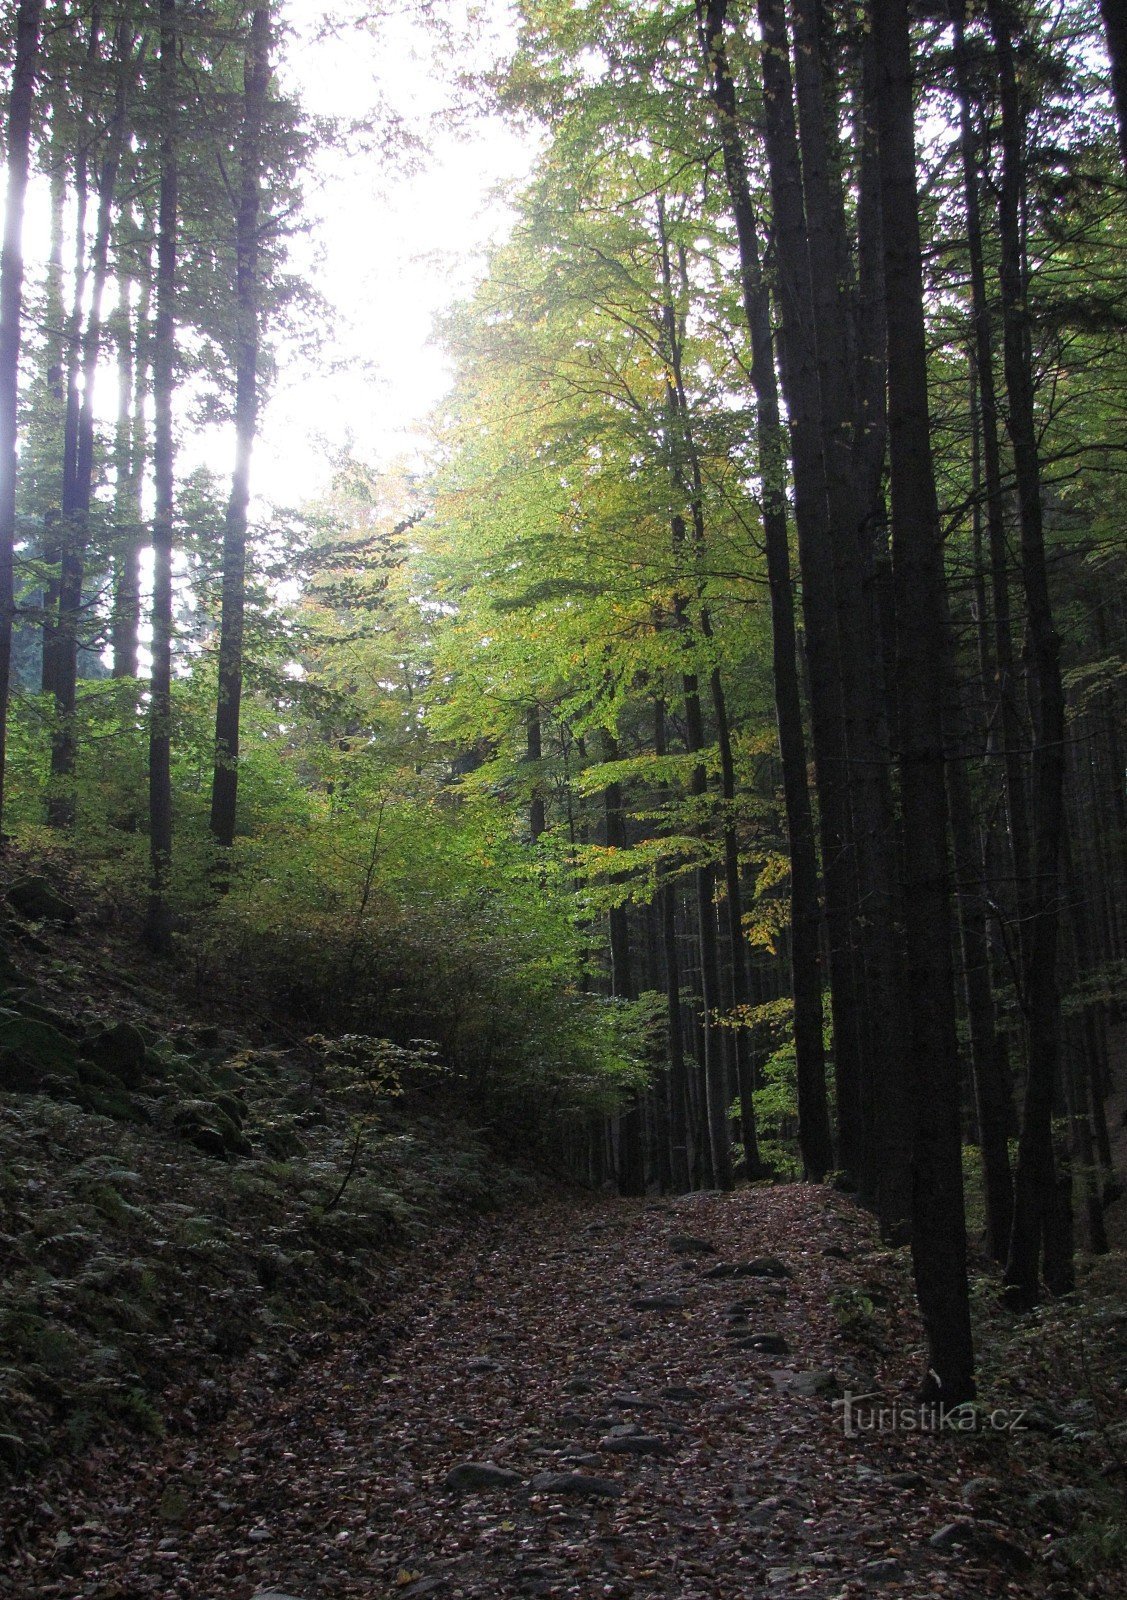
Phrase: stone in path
(687,1244)
(578,1483)
(473,1477)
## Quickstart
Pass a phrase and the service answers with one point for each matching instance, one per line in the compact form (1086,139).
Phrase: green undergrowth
(179,1195)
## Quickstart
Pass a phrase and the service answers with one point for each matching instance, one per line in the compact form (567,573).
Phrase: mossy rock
(225,1077)
(10,975)
(95,1076)
(108,1102)
(34,898)
(233,1106)
(281,1140)
(120,1049)
(28,1006)
(60,1085)
(178,1070)
(32,1050)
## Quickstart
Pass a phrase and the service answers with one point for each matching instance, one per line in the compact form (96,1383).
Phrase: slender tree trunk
(991,1091)
(130,451)
(1037,1217)
(20,99)
(159,922)
(631,1166)
(938,1225)
(678,1077)
(686,473)
(719,1141)
(814,1128)
(225,783)
(79,482)
(1010,732)
(58,533)
(534,749)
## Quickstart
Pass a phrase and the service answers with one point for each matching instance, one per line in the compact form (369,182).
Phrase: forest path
(720,1473)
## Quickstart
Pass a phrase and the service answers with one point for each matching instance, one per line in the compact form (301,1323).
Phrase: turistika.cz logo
(868,1413)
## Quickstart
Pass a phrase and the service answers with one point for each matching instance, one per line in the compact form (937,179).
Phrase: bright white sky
(389,250)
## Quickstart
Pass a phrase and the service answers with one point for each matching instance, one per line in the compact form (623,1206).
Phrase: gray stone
(635,1444)
(882,1571)
(761,1267)
(577,1483)
(659,1302)
(768,1344)
(818,1381)
(954,1536)
(682,1391)
(475,1477)
(686,1244)
(981,1491)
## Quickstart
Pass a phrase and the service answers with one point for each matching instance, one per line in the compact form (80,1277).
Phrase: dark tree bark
(159,921)
(850,512)
(814,1132)
(991,1088)
(814,1129)
(225,782)
(1114,13)
(1010,733)
(1039,1226)
(938,1226)
(20,102)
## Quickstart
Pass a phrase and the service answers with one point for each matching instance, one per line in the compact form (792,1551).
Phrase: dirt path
(533,1349)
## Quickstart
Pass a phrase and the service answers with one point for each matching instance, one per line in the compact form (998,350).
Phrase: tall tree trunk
(534,751)
(686,473)
(938,1225)
(1010,731)
(20,101)
(850,511)
(159,922)
(225,782)
(991,1089)
(78,482)
(1038,1223)
(130,452)
(57,532)
(814,1128)
(631,1166)
(719,1143)
(678,1078)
